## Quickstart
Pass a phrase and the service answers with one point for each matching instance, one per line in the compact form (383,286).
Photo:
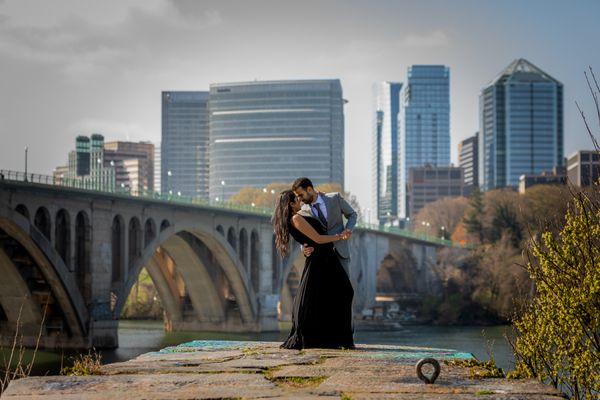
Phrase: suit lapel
(327,208)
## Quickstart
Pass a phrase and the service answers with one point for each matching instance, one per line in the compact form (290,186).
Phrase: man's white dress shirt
(321,203)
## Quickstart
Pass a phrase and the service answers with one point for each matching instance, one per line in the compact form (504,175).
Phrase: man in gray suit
(329,209)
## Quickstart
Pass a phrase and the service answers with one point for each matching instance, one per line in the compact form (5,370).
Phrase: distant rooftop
(275,82)
(523,70)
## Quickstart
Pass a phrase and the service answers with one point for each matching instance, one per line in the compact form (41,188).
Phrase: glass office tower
(184,145)
(275,131)
(424,122)
(521,125)
(385,145)
(468,157)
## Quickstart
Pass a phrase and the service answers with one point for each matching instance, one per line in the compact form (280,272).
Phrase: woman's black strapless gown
(322,310)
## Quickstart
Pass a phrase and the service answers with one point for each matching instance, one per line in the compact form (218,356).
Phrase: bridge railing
(409,234)
(187,200)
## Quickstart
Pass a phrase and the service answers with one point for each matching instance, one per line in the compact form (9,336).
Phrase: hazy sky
(77,67)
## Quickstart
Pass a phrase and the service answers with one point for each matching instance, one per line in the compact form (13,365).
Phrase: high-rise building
(583,168)
(184,144)
(428,184)
(521,125)
(81,157)
(111,166)
(275,131)
(134,165)
(157,168)
(385,149)
(424,124)
(86,166)
(468,160)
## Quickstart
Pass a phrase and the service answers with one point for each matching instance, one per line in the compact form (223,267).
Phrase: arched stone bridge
(69,258)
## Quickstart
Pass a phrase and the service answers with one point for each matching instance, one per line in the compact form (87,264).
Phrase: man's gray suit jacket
(336,207)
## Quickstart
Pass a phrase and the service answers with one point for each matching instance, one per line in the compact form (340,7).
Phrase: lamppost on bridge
(26,149)
(169,190)
(390,219)
(222,191)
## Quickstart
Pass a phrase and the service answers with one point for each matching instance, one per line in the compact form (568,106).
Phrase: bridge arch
(55,285)
(164,224)
(43,222)
(62,235)
(396,273)
(231,237)
(170,286)
(22,209)
(220,230)
(149,231)
(173,242)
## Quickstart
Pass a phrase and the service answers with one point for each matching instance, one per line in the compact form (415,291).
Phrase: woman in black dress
(322,310)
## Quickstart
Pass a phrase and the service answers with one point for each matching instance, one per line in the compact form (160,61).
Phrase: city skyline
(73,77)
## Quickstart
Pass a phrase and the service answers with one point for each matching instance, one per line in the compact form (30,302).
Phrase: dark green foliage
(505,221)
(473,219)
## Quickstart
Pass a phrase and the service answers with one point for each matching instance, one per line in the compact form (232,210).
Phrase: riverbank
(139,337)
(236,369)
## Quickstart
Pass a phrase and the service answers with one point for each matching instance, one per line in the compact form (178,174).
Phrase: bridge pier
(103,327)
(268,294)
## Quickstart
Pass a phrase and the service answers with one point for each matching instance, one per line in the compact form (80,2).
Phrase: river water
(138,337)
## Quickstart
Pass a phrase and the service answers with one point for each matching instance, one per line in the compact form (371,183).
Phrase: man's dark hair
(303,183)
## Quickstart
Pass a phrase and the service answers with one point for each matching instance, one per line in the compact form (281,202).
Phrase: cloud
(82,42)
(436,38)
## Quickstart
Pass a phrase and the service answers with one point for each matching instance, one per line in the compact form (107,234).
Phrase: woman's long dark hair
(281,221)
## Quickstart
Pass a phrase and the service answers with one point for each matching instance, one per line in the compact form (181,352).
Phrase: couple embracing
(322,310)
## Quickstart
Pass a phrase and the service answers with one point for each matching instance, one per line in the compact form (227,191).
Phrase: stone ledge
(253,370)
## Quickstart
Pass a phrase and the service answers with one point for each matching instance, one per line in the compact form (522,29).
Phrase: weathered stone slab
(231,369)
(433,396)
(133,387)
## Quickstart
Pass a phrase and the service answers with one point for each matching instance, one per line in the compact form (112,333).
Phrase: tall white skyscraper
(385,150)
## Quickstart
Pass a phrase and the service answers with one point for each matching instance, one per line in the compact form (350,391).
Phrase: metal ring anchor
(436,370)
